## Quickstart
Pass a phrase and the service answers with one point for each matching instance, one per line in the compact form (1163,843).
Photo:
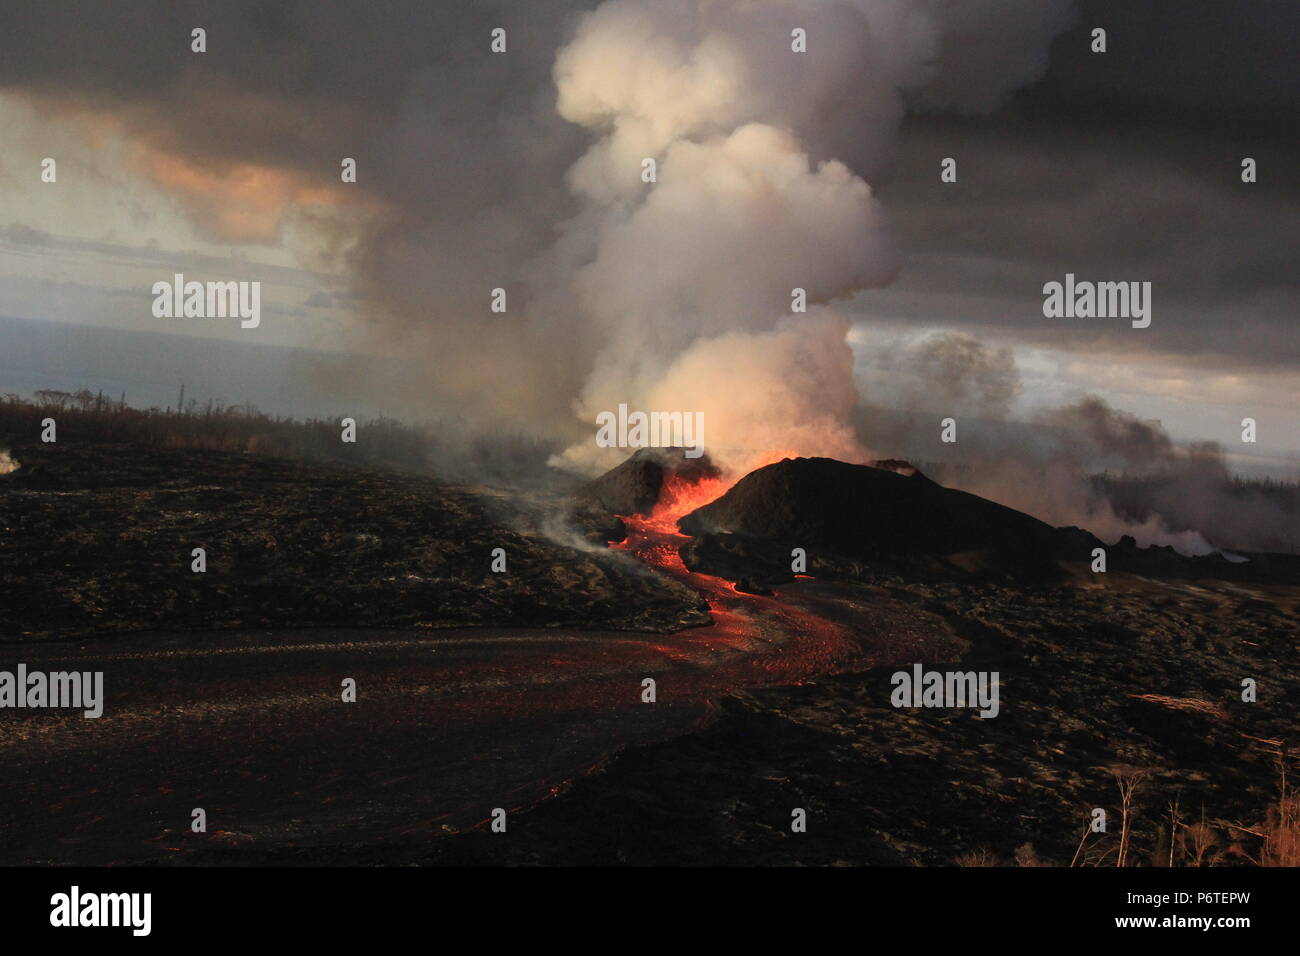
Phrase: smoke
(803,404)
(1139,482)
(523,171)
(686,294)
(762,159)
(942,373)
(1085,464)
(1115,437)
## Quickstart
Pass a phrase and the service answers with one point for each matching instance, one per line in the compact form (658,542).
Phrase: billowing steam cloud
(688,288)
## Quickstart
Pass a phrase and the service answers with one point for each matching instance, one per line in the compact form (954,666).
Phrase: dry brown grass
(1281,833)
(1128,784)
(981,857)
(1274,841)
(1278,834)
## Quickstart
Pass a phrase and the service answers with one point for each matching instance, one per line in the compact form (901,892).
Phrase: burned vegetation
(99,538)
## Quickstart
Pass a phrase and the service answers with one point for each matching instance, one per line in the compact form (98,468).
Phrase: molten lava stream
(781,639)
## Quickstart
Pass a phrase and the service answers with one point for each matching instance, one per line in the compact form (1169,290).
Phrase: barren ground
(523,690)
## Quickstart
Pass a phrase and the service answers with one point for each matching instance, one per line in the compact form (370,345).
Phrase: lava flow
(655,538)
(784,638)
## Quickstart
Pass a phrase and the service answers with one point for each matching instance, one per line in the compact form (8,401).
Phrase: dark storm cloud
(1205,64)
(404,88)
(1028,208)
(463,150)
(283,80)
(1122,166)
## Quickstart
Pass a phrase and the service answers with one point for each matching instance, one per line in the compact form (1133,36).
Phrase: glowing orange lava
(655,538)
(680,496)
(777,636)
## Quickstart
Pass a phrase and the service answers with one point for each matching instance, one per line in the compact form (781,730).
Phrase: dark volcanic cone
(633,487)
(870,514)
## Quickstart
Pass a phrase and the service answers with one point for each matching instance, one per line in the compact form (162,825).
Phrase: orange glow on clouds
(242,203)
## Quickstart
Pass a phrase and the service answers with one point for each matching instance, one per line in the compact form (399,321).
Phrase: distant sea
(150,368)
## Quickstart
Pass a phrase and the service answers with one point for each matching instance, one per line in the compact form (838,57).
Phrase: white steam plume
(685,284)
